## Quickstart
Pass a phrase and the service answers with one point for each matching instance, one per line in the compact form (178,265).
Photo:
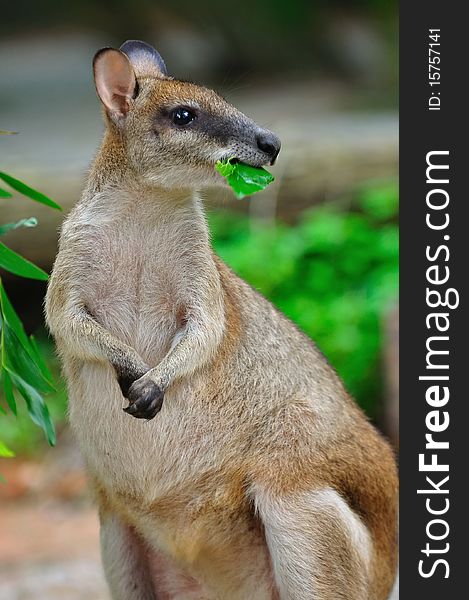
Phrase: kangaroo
(225,456)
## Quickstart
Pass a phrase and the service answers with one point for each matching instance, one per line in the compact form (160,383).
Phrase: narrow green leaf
(13,262)
(36,406)
(5,451)
(23,368)
(31,222)
(5,194)
(10,316)
(17,359)
(29,344)
(3,132)
(8,391)
(27,191)
(36,353)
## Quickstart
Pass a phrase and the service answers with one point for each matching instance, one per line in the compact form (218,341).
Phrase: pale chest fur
(134,262)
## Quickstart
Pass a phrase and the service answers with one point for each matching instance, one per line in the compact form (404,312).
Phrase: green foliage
(5,451)
(23,371)
(243,179)
(14,263)
(334,273)
(27,191)
(19,432)
(31,222)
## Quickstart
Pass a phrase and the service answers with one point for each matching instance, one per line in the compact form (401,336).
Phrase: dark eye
(182,116)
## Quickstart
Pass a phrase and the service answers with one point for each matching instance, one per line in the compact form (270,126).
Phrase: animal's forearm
(85,338)
(191,351)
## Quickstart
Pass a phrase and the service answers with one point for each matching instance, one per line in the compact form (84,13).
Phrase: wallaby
(240,469)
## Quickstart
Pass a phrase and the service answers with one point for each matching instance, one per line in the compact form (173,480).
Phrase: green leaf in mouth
(243,179)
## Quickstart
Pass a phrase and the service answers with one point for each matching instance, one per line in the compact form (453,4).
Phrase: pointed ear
(115,80)
(144,58)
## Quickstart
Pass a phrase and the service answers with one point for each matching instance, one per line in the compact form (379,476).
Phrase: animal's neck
(131,207)
(112,176)
(116,194)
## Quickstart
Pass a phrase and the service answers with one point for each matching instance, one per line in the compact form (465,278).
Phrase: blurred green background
(321,242)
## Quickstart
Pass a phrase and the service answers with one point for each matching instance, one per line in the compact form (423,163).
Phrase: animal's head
(173,132)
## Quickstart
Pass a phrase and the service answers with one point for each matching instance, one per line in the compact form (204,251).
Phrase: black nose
(269,143)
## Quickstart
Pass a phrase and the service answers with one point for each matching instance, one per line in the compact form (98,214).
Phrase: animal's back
(331,444)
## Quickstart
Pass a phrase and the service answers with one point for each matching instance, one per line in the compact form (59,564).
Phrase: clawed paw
(146,399)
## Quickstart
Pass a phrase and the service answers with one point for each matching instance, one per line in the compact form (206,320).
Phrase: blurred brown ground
(49,542)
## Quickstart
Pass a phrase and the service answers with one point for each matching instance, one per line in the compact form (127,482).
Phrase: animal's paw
(128,373)
(145,397)
(125,382)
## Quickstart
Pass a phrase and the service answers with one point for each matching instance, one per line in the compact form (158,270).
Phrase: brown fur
(257,476)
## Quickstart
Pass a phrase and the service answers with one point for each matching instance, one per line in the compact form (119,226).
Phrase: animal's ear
(115,80)
(144,58)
